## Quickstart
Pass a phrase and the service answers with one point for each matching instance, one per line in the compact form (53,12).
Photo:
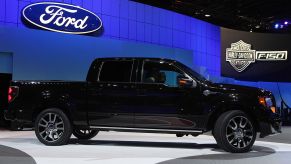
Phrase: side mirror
(185,82)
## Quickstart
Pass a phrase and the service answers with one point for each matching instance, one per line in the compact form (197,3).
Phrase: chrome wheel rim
(51,127)
(239,132)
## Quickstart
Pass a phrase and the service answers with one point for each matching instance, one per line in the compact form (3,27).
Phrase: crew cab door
(164,103)
(111,98)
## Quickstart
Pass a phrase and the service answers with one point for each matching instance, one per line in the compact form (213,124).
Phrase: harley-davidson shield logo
(240,55)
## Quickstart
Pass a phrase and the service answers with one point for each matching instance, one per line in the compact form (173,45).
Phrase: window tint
(161,72)
(116,71)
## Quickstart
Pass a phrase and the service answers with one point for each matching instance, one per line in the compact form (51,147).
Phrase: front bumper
(271,127)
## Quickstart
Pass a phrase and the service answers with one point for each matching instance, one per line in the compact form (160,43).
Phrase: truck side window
(116,71)
(160,72)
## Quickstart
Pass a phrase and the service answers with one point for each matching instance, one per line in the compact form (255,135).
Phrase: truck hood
(241,89)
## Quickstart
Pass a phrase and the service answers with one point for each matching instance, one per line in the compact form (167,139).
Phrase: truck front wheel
(234,132)
(85,134)
(53,127)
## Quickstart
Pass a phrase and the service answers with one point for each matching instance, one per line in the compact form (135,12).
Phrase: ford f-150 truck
(144,95)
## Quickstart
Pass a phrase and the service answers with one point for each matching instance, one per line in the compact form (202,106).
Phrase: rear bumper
(16,124)
(271,127)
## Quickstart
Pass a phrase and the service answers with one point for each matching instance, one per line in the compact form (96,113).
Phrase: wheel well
(213,118)
(39,110)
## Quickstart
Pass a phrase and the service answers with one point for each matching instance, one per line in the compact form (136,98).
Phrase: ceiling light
(276,26)
(207,15)
(286,22)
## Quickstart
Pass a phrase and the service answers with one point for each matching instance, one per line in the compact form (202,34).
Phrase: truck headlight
(267,102)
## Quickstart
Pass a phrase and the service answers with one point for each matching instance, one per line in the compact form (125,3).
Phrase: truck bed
(34,96)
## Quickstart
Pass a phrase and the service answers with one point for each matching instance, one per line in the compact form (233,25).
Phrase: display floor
(115,147)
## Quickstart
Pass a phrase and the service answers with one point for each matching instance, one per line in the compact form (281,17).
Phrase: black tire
(235,132)
(85,134)
(57,131)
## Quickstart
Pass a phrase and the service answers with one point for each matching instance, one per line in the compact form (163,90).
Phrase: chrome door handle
(208,92)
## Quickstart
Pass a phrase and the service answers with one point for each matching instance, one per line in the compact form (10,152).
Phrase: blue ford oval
(61,17)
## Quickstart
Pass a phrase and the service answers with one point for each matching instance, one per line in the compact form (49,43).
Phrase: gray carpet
(10,155)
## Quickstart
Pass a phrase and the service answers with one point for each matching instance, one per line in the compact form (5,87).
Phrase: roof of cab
(132,58)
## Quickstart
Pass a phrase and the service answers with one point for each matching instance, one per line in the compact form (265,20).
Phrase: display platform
(22,147)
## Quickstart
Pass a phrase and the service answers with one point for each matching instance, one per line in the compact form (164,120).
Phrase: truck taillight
(12,93)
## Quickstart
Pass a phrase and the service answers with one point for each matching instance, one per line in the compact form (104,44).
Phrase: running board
(146,130)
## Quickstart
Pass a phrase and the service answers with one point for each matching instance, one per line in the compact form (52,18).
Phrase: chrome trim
(145,129)
(99,71)
(208,92)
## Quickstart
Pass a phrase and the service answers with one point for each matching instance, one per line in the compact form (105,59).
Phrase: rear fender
(53,100)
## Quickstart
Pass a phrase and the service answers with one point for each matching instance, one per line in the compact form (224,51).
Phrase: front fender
(222,102)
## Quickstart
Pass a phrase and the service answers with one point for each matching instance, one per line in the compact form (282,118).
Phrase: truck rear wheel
(234,132)
(85,134)
(53,127)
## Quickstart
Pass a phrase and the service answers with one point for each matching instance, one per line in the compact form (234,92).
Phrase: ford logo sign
(60,17)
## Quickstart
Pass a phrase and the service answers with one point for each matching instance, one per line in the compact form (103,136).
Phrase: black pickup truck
(144,95)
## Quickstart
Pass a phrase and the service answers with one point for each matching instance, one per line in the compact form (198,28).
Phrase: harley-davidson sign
(240,55)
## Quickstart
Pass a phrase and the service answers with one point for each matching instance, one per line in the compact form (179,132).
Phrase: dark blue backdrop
(42,55)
